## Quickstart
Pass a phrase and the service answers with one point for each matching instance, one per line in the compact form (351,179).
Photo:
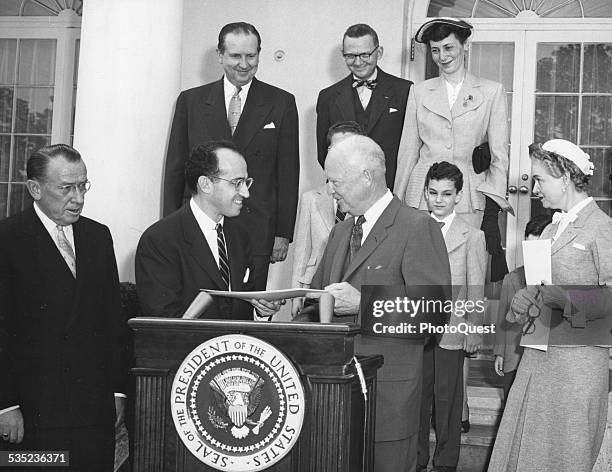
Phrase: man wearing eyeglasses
(202,245)
(262,121)
(368,95)
(62,338)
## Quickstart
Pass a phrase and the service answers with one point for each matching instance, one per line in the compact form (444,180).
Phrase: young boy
(443,358)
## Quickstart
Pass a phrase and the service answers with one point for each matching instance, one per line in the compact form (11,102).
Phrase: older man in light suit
(388,244)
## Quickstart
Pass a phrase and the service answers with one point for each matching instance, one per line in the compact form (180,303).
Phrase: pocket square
(247,272)
(269,126)
(392,110)
(578,246)
(374,268)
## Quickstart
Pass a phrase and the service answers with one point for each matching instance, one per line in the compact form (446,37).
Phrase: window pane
(597,68)
(556,117)
(6,109)
(34,110)
(596,125)
(24,147)
(8,51)
(557,9)
(36,62)
(456,8)
(5,152)
(598,8)
(496,9)
(600,185)
(20,198)
(558,67)
(493,61)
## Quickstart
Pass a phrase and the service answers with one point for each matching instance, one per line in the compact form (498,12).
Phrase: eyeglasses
(364,56)
(533,312)
(237,183)
(81,187)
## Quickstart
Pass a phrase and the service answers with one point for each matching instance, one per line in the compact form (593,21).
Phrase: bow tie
(371,84)
(562,217)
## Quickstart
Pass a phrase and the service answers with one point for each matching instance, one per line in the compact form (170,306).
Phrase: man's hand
(119,410)
(266,308)
(11,426)
(279,251)
(498,363)
(472,342)
(296,306)
(346,298)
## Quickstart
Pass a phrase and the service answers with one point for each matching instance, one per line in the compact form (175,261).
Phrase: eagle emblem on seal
(237,394)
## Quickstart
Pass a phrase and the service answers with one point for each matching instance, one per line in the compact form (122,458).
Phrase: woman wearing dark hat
(555,415)
(446,118)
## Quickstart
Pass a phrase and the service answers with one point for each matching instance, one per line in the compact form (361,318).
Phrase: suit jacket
(433,133)
(508,335)
(388,107)
(582,256)
(267,136)
(315,220)
(404,247)
(62,340)
(467,255)
(174,261)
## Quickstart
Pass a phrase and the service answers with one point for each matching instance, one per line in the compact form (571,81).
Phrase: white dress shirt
(51,228)
(452,91)
(228,91)
(373,213)
(447,220)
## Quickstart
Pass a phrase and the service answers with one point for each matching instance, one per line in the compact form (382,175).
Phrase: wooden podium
(338,430)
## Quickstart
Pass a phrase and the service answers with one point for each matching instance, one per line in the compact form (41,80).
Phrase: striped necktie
(234,110)
(223,259)
(340,215)
(66,249)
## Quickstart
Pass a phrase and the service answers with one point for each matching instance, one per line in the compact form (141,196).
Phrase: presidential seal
(237,403)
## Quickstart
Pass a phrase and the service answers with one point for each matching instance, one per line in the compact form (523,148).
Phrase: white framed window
(39,46)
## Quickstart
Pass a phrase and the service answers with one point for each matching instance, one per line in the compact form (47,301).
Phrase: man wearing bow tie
(262,121)
(202,245)
(368,95)
(62,337)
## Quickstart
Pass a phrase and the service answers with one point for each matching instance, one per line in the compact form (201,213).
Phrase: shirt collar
(447,220)
(373,213)
(579,206)
(47,222)
(229,88)
(372,77)
(205,222)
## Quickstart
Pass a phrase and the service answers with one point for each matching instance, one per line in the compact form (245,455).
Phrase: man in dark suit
(262,121)
(62,339)
(368,95)
(201,245)
(388,244)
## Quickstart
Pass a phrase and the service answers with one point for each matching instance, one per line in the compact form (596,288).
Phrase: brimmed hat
(571,152)
(444,21)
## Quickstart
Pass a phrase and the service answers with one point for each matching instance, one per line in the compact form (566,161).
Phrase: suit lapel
(253,116)
(436,98)
(214,112)
(343,236)
(455,236)
(199,249)
(84,264)
(234,252)
(380,99)
(470,96)
(344,100)
(570,233)
(377,235)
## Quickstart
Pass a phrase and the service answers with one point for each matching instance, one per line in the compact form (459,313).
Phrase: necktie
(441,223)
(223,259)
(371,84)
(235,108)
(66,249)
(356,235)
(339,215)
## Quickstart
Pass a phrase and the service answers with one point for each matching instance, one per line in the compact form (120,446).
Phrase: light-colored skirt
(555,416)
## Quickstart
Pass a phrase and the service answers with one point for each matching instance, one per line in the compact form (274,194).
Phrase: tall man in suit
(62,339)
(385,243)
(262,121)
(201,245)
(444,357)
(368,95)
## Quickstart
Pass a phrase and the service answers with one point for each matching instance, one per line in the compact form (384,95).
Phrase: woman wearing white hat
(555,415)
